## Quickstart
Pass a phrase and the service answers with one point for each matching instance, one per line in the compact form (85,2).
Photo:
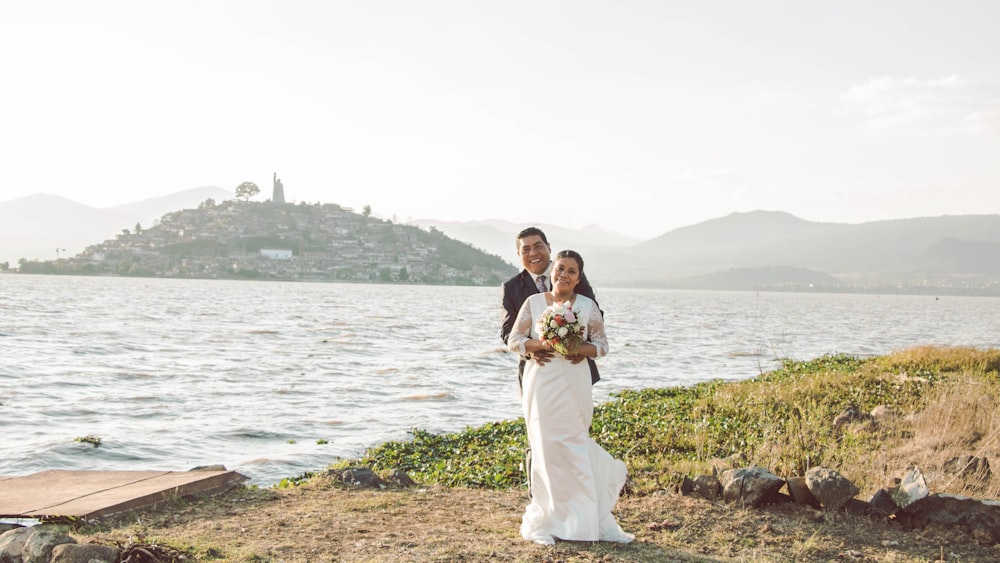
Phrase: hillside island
(270,240)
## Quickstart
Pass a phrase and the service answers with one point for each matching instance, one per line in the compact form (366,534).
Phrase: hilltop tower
(279,190)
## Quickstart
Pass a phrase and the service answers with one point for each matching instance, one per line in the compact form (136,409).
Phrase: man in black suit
(534,249)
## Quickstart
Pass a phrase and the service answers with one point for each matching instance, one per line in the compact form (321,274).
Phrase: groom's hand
(542,357)
(573,347)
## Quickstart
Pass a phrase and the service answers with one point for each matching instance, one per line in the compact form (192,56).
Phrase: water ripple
(173,374)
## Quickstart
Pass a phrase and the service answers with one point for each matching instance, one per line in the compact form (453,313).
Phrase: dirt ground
(324,521)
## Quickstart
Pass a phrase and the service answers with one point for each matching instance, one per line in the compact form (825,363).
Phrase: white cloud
(704,176)
(936,107)
(985,121)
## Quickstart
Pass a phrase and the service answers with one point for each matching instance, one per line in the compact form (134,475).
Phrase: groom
(534,250)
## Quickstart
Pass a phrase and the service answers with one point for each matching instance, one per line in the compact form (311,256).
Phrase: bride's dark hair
(571,254)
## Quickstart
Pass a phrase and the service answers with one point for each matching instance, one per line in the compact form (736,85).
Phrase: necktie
(540,283)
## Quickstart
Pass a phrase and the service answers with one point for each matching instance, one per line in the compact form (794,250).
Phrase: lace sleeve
(521,331)
(595,331)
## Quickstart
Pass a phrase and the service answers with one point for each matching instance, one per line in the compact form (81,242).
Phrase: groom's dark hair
(529,232)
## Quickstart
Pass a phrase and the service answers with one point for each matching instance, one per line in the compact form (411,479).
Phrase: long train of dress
(575,483)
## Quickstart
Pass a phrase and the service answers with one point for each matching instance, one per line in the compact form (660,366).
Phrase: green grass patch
(782,420)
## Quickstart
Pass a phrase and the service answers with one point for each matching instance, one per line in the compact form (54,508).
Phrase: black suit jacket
(516,291)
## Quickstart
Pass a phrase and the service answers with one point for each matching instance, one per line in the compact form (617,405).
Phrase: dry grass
(323,521)
(960,421)
(958,418)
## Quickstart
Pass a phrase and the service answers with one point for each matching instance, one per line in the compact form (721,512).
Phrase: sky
(637,116)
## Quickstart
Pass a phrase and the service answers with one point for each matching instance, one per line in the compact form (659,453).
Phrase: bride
(574,482)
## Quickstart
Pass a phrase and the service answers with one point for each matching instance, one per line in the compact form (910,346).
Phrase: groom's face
(534,254)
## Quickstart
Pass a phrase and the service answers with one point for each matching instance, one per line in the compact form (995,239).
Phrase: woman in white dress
(574,482)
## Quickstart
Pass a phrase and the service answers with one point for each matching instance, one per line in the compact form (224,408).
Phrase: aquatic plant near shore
(88,439)
(782,420)
(485,456)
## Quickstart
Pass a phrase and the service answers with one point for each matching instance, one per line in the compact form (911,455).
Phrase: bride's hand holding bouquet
(561,331)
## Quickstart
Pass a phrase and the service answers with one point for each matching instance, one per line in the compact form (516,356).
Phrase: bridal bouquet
(559,326)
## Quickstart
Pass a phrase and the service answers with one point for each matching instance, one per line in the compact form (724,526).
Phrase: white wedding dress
(574,482)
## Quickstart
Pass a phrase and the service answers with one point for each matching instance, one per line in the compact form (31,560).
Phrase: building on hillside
(276,253)
(279,190)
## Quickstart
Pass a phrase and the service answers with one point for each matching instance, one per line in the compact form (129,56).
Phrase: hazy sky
(638,116)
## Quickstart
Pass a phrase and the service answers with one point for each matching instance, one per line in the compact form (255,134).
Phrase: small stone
(399,478)
(882,412)
(850,415)
(88,553)
(983,536)
(968,466)
(664,525)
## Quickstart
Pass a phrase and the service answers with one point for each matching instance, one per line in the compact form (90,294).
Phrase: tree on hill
(247,190)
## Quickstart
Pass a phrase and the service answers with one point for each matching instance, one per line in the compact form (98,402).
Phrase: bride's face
(565,274)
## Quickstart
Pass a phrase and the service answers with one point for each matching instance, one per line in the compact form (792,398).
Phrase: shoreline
(655,431)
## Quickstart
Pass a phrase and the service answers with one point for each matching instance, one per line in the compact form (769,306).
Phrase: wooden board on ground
(100,494)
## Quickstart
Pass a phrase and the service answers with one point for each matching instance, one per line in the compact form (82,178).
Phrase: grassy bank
(943,404)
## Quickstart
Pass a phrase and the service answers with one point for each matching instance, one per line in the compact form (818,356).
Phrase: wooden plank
(100,494)
(37,492)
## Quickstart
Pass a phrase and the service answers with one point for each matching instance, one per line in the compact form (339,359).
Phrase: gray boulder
(850,415)
(12,544)
(38,548)
(968,466)
(830,488)
(88,553)
(704,486)
(980,518)
(912,488)
(361,477)
(399,478)
(883,412)
(750,486)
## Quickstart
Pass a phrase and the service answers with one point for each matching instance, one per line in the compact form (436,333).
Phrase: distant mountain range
(46,227)
(498,237)
(941,251)
(757,250)
(773,250)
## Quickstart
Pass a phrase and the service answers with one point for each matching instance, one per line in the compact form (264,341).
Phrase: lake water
(173,374)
